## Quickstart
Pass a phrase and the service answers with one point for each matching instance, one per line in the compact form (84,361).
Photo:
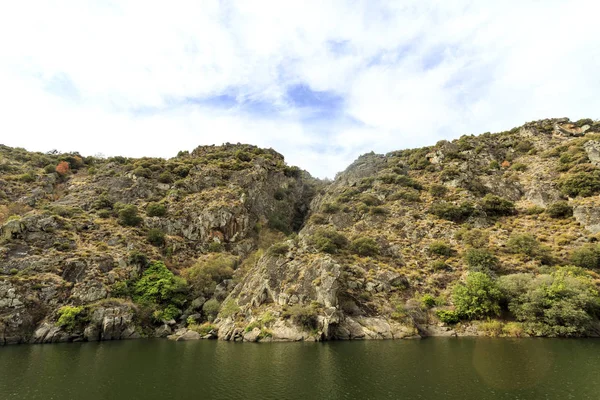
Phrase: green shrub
(229,309)
(409,195)
(369,200)
(243,156)
(428,301)
(438,191)
(168,313)
(478,297)
(102,202)
(128,216)
(120,289)
(142,172)
(473,237)
(494,165)
(440,248)
(378,210)
(159,285)
(583,184)
(452,212)
(215,247)
(329,241)
(524,243)
(330,208)
(534,210)
(137,258)
(279,222)
(165,177)
(587,256)
(13,271)
(156,210)
(209,271)
(447,316)
(319,219)
(69,317)
(560,209)
(50,168)
(279,249)
(211,309)
(480,260)
(495,206)
(292,172)
(304,316)
(561,303)
(156,237)
(519,167)
(365,247)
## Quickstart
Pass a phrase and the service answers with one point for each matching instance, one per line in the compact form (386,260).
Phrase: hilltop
(485,235)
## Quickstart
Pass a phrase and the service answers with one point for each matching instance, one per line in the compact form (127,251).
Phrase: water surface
(435,368)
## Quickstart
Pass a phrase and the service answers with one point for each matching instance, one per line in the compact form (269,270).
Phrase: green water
(427,369)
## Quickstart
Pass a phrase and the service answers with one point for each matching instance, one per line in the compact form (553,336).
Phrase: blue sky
(319,81)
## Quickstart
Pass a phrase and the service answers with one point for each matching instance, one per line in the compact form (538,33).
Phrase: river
(435,368)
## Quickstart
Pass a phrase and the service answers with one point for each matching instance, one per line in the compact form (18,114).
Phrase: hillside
(486,235)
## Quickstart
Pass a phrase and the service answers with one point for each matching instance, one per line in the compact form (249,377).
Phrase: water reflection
(429,369)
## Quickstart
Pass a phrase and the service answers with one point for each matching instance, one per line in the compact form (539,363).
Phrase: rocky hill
(493,234)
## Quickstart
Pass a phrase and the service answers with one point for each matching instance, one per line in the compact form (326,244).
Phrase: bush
(329,241)
(561,303)
(378,210)
(525,244)
(560,209)
(156,210)
(209,271)
(243,156)
(279,249)
(478,297)
(69,317)
(292,172)
(440,249)
(156,237)
(304,316)
(330,208)
(128,216)
(587,256)
(438,190)
(480,260)
(473,237)
(447,316)
(211,309)
(495,206)
(137,258)
(319,219)
(428,301)
(142,172)
(165,177)
(50,169)
(519,167)
(583,184)
(168,313)
(451,212)
(365,247)
(159,285)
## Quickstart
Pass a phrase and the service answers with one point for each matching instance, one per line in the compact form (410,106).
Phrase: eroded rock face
(589,216)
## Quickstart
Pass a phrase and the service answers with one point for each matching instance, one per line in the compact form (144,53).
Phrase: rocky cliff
(491,234)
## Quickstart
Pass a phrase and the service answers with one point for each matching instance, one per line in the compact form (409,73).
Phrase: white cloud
(113,77)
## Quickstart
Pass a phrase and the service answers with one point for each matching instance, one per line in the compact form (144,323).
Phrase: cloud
(320,81)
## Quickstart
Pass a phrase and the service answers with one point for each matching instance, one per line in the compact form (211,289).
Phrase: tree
(478,297)
(480,260)
(128,216)
(562,303)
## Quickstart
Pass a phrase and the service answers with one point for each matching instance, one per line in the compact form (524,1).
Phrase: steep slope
(389,242)
(491,234)
(80,232)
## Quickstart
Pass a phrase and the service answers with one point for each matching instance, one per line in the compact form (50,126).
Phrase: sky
(319,81)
